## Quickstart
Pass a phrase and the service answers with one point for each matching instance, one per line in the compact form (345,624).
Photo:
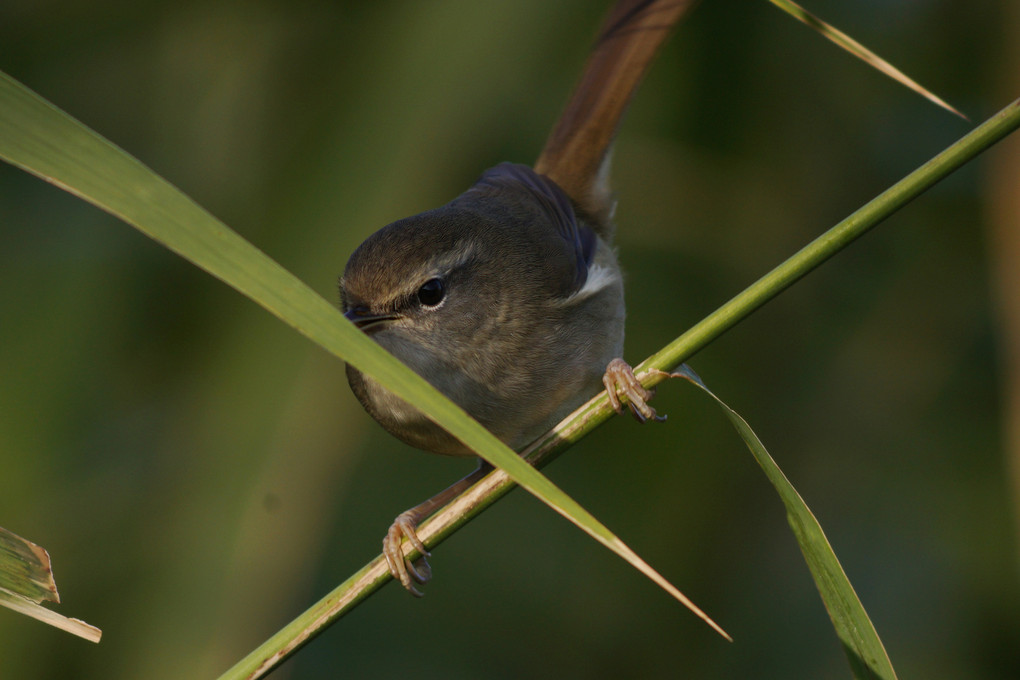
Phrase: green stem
(467,506)
(835,239)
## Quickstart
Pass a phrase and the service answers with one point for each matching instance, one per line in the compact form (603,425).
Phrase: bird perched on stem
(509,298)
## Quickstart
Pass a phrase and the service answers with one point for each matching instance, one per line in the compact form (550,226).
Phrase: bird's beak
(363,318)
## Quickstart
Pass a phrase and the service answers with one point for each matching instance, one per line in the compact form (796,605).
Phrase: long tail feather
(576,154)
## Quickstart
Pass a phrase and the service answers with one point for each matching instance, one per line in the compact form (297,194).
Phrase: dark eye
(431,292)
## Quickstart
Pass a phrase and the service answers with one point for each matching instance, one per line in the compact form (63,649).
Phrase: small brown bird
(509,299)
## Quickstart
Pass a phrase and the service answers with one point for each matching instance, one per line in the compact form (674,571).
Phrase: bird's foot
(410,574)
(620,381)
(405,526)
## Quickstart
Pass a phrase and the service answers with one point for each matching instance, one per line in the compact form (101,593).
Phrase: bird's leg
(406,525)
(621,381)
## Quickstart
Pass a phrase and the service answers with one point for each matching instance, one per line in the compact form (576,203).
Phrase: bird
(509,298)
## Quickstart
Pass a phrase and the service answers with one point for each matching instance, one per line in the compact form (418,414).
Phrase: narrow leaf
(867,655)
(860,51)
(41,139)
(652,371)
(26,579)
(25,568)
(36,611)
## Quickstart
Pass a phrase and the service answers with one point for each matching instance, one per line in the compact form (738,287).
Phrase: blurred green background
(201,473)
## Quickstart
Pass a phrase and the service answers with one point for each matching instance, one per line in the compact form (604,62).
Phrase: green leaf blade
(26,579)
(863,647)
(43,140)
(25,569)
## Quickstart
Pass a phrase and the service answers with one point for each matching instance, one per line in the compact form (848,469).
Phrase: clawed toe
(405,526)
(407,572)
(620,380)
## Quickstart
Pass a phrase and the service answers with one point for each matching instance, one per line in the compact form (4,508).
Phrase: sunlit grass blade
(860,51)
(46,142)
(26,579)
(864,649)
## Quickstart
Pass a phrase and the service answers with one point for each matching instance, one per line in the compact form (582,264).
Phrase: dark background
(201,473)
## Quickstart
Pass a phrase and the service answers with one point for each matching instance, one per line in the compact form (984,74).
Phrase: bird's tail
(577,152)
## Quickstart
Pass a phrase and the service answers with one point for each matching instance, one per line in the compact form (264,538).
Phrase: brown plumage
(509,299)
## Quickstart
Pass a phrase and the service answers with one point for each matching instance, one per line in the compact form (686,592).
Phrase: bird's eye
(431,292)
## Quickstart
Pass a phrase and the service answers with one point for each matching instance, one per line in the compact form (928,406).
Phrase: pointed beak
(363,318)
